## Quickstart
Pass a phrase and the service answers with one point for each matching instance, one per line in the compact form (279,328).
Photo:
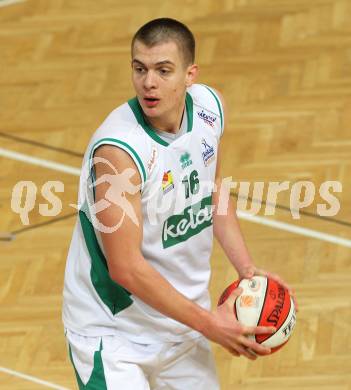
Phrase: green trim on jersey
(138,113)
(97,379)
(180,227)
(218,104)
(189,111)
(123,145)
(114,296)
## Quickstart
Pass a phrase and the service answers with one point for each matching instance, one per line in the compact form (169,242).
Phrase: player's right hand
(224,329)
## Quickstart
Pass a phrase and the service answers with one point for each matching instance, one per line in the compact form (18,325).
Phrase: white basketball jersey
(176,194)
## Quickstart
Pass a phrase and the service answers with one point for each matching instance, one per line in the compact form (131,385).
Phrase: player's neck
(169,123)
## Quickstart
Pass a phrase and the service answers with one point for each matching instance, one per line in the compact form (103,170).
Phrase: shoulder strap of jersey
(120,129)
(207,98)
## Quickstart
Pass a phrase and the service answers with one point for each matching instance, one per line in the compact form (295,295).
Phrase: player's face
(160,79)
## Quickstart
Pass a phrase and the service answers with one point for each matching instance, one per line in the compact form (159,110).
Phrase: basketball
(264,302)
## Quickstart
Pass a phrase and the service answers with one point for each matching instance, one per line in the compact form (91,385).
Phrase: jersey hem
(138,339)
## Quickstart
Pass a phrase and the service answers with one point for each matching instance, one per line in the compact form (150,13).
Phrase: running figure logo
(120,184)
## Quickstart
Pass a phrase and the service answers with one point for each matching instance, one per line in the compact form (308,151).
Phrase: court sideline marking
(32,379)
(4,3)
(241,214)
(39,162)
(295,229)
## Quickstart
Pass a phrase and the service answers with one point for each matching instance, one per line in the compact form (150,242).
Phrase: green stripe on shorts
(97,379)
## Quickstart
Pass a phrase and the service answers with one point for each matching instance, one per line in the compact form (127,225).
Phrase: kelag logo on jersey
(178,228)
(208,119)
(207,152)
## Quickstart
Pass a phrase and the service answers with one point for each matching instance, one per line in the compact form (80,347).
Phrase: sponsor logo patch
(167,182)
(151,163)
(208,119)
(208,154)
(185,160)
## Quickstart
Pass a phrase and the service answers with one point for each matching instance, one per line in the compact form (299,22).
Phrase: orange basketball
(264,302)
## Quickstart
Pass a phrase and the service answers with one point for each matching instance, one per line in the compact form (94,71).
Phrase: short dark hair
(166,29)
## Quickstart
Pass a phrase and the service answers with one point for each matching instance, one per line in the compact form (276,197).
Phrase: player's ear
(191,74)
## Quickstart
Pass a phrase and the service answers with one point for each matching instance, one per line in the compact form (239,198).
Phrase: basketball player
(136,305)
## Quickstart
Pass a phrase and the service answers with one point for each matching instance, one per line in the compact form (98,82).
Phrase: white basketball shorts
(112,363)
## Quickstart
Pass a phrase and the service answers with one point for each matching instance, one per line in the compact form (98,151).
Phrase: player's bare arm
(227,231)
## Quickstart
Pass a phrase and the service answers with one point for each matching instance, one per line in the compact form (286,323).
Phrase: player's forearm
(227,231)
(145,282)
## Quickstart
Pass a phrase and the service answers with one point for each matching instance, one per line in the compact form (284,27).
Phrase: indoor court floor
(284,68)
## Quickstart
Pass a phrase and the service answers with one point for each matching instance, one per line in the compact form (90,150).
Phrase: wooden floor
(284,67)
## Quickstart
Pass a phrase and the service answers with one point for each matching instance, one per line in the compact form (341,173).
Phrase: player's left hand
(250,271)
